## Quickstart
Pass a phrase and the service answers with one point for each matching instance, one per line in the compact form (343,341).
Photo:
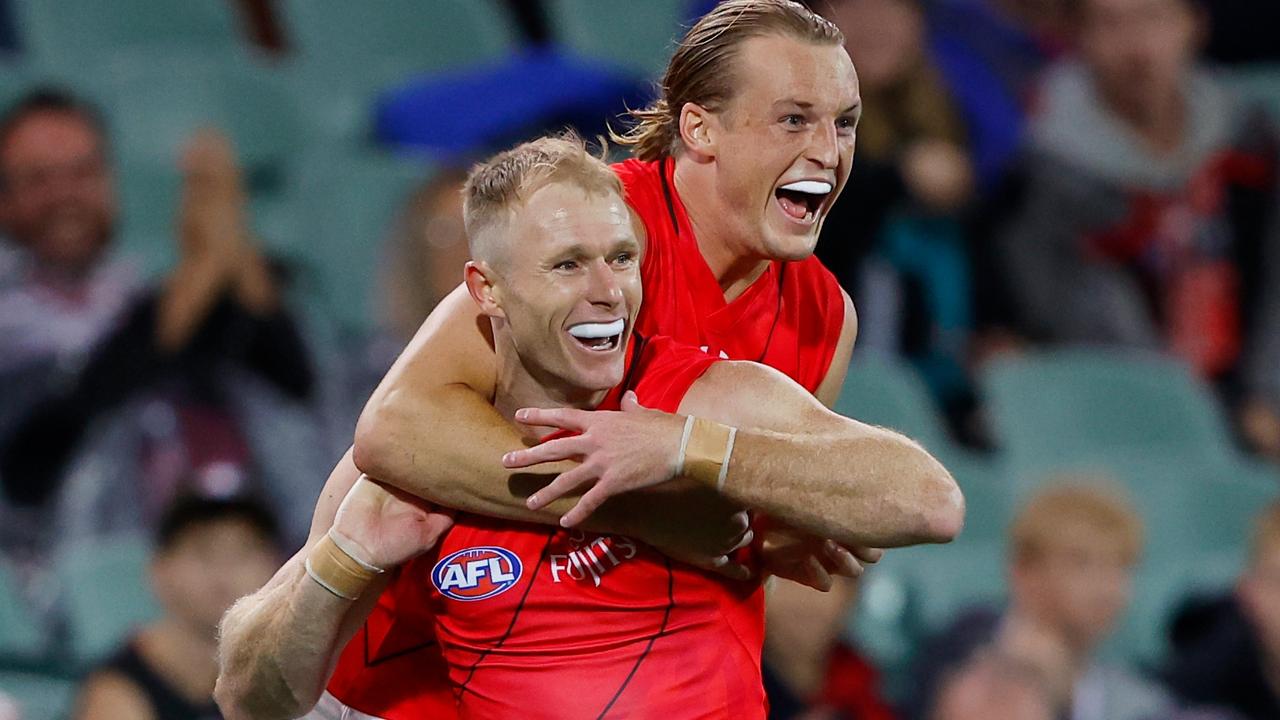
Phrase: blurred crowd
(1029,173)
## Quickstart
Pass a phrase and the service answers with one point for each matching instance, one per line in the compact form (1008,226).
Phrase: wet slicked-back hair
(702,69)
(496,187)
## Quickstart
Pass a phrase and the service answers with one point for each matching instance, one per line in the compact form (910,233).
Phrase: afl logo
(477,573)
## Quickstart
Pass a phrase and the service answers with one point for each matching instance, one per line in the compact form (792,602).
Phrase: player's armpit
(829,391)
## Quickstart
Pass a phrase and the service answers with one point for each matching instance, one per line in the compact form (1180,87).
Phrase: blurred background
(222,220)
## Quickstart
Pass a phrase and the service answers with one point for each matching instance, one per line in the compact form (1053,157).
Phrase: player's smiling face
(785,141)
(569,288)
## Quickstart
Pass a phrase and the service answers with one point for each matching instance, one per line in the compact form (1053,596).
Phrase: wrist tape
(336,569)
(705,449)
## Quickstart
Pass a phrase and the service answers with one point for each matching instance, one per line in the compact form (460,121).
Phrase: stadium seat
(1260,84)
(20,636)
(892,395)
(1065,409)
(636,36)
(155,102)
(344,206)
(107,593)
(1160,589)
(39,696)
(347,53)
(78,34)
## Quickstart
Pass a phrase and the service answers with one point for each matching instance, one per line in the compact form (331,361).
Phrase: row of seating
(1142,422)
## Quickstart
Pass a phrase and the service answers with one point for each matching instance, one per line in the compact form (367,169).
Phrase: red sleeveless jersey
(790,318)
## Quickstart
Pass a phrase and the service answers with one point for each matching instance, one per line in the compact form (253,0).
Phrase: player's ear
(699,130)
(480,277)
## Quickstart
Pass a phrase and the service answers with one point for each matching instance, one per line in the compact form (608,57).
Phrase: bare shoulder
(108,695)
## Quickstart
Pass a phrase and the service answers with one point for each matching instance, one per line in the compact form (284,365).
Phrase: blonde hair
(1074,503)
(700,71)
(1266,532)
(495,187)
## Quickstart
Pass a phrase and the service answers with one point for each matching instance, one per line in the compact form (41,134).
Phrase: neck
(734,268)
(185,657)
(517,387)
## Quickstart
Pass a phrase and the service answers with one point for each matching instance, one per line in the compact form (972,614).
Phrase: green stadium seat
(1259,84)
(39,696)
(156,101)
(637,36)
(75,34)
(344,206)
(1160,589)
(337,36)
(20,633)
(107,593)
(347,53)
(892,395)
(1063,409)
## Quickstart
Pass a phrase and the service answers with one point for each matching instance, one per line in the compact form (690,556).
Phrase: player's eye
(623,259)
(566,265)
(794,120)
(846,124)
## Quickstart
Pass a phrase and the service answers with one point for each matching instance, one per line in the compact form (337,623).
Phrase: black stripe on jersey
(374,662)
(666,194)
(514,616)
(666,617)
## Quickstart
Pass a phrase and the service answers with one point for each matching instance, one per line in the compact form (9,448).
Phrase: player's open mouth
(801,200)
(599,336)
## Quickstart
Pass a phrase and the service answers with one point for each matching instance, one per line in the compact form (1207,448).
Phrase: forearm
(279,646)
(872,488)
(187,298)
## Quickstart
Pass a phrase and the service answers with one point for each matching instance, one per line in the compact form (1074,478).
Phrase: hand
(702,532)
(938,174)
(389,525)
(213,197)
(812,561)
(620,451)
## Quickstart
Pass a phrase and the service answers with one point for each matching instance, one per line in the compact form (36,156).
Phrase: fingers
(550,451)
(744,541)
(816,575)
(724,566)
(839,561)
(563,418)
(566,483)
(591,500)
(631,403)
(866,555)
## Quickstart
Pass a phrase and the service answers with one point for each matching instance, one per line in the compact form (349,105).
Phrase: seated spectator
(209,553)
(123,391)
(1146,216)
(896,239)
(811,672)
(1072,553)
(1233,659)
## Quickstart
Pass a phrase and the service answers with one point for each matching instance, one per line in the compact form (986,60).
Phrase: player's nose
(603,287)
(824,146)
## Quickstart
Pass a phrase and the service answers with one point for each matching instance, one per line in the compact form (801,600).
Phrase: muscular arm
(430,430)
(279,645)
(819,471)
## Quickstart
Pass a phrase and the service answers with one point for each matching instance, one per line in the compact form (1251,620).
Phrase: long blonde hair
(701,70)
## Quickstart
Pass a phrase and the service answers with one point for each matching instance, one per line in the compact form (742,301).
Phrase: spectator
(424,252)
(810,671)
(1233,661)
(896,237)
(194,375)
(209,553)
(1148,209)
(1073,548)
